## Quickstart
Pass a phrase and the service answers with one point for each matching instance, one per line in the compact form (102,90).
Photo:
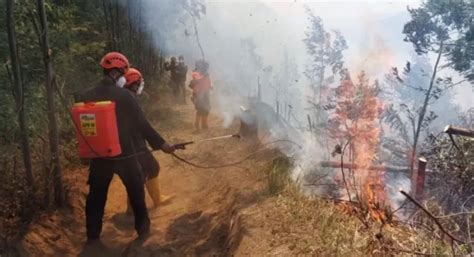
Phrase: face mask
(140,88)
(121,82)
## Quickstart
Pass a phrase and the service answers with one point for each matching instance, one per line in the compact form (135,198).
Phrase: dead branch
(436,220)
(197,36)
(319,184)
(310,125)
(342,170)
(455,214)
(451,130)
(330,164)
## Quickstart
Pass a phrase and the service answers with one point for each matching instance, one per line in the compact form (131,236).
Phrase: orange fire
(358,111)
(375,197)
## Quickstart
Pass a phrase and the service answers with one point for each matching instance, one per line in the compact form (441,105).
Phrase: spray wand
(183,145)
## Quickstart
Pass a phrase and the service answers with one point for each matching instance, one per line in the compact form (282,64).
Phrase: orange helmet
(115,60)
(132,76)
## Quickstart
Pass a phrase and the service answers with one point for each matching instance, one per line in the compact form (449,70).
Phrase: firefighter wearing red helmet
(151,168)
(201,86)
(133,128)
(134,81)
(115,65)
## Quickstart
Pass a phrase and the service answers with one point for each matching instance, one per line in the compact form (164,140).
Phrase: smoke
(397,182)
(249,45)
(252,45)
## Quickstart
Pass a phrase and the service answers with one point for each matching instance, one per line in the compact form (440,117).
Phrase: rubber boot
(153,188)
(204,122)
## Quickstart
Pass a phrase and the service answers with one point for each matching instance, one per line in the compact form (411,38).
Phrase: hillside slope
(218,212)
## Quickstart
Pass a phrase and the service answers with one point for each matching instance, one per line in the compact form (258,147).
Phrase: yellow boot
(153,188)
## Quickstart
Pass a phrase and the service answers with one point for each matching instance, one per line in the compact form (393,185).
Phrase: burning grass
(311,226)
(317,227)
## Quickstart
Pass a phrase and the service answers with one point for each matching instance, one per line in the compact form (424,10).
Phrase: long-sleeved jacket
(173,68)
(132,125)
(182,71)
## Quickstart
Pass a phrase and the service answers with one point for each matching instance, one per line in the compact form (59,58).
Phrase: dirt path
(202,219)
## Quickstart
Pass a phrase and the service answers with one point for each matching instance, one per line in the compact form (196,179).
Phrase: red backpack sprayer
(97,136)
(96,133)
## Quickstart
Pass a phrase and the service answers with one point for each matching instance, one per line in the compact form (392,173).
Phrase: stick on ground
(409,197)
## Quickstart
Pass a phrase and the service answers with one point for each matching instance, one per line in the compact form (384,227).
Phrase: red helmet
(115,60)
(196,75)
(132,76)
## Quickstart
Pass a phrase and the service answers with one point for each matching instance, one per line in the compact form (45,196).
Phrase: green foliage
(405,93)
(325,50)
(449,23)
(452,163)
(450,184)
(79,35)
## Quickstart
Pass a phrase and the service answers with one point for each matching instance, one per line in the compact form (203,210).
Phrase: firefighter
(150,166)
(172,67)
(182,72)
(132,128)
(201,85)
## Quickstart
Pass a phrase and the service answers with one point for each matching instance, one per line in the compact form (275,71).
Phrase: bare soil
(204,218)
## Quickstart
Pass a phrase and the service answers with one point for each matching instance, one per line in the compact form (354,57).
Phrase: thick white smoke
(248,43)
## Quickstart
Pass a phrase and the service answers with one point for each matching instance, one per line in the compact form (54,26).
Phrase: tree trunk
(130,13)
(196,32)
(53,125)
(424,107)
(107,26)
(118,29)
(19,96)
(320,96)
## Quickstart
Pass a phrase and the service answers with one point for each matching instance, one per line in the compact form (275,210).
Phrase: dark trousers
(101,173)
(182,86)
(175,88)
(178,87)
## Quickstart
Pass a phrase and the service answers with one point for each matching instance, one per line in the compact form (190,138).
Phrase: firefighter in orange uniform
(201,86)
(150,166)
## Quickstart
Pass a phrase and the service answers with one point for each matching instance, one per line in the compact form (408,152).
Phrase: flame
(359,112)
(375,197)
